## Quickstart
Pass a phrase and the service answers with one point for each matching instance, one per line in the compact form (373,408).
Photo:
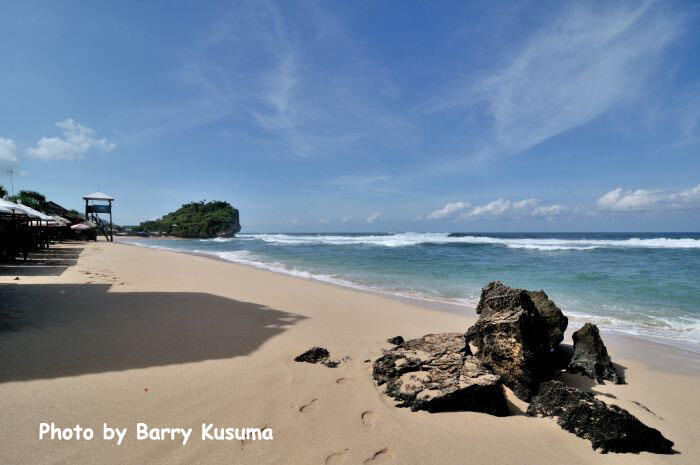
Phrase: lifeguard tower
(94,205)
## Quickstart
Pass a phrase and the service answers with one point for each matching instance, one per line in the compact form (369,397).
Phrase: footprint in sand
(341,380)
(368,418)
(381,456)
(246,441)
(307,407)
(336,458)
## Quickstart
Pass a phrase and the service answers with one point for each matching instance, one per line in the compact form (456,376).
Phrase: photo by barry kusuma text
(144,432)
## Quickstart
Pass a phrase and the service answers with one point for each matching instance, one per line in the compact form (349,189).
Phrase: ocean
(645,284)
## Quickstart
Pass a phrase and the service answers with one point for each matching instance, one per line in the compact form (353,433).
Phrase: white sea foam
(218,239)
(410,239)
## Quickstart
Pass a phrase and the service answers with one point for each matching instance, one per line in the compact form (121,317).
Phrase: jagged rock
(608,427)
(511,338)
(438,373)
(396,340)
(313,355)
(591,357)
(320,355)
(553,316)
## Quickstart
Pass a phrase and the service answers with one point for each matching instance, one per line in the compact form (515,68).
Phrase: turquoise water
(643,284)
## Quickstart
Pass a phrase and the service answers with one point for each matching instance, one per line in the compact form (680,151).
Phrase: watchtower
(94,205)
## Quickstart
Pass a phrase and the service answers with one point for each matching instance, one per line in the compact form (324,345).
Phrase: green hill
(196,220)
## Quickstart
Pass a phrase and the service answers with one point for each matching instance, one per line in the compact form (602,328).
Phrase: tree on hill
(196,220)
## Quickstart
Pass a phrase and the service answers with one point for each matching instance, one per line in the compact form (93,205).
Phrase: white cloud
(448,210)
(372,218)
(8,152)
(323,221)
(294,221)
(640,200)
(525,203)
(77,140)
(346,219)
(502,208)
(495,208)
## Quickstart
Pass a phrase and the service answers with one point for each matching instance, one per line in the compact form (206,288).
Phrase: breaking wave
(411,239)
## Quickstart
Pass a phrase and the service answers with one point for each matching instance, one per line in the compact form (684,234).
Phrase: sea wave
(218,239)
(412,239)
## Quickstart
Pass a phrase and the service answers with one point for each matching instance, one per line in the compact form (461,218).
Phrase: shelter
(94,205)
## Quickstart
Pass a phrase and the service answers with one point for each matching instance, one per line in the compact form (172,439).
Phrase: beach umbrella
(36,213)
(14,208)
(83,226)
(60,220)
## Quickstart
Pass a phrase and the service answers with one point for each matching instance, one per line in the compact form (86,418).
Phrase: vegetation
(3,192)
(196,220)
(31,199)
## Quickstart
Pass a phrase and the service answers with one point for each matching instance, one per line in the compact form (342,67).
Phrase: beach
(118,334)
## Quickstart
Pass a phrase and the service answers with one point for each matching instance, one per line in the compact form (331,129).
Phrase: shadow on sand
(75,329)
(43,262)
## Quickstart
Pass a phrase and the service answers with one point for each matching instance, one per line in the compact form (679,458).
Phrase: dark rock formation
(396,340)
(608,427)
(313,355)
(591,357)
(511,338)
(552,315)
(317,355)
(438,373)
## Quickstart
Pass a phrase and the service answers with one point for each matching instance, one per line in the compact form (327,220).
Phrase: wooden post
(86,209)
(111,232)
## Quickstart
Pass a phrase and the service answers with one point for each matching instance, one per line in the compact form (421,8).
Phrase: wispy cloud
(586,61)
(642,200)
(271,67)
(77,140)
(364,183)
(8,152)
(374,217)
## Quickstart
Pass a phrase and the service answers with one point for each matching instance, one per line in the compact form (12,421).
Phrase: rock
(511,338)
(313,355)
(552,315)
(320,355)
(396,340)
(591,357)
(608,427)
(438,373)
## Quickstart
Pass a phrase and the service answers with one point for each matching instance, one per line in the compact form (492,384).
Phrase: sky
(360,116)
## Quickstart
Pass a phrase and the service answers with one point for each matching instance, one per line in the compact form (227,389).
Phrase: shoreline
(121,335)
(450,307)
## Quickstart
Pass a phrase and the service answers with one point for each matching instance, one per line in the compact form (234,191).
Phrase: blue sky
(361,116)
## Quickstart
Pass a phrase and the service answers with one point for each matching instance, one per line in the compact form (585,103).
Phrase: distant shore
(126,335)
